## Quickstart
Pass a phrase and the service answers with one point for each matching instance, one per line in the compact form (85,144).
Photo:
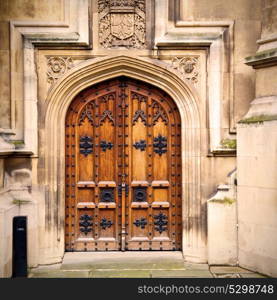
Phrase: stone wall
(257,157)
(257,196)
(42,44)
(20,10)
(247,29)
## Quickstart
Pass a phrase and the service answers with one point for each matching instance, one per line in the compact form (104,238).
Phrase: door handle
(121,187)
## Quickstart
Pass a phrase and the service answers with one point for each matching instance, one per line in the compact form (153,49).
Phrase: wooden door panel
(152,205)
(123,161)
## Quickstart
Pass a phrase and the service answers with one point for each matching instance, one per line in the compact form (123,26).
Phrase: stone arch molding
(153,72)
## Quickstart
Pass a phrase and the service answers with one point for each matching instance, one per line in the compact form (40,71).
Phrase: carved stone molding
(57,67)
(122,23)
(188,66)
(72,31)
(216,36)
(152,72)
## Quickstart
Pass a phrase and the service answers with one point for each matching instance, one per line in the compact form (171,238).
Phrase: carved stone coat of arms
(122,23)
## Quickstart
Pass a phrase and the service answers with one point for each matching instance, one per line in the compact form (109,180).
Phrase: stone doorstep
(94,256)
(127,260)
(149,274)
(124,265)
(120,274)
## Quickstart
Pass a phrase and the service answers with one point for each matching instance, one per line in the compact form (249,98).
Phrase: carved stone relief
(57,66)
(122,23)
(188,66)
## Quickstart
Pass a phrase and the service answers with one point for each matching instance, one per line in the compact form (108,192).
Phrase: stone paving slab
(135,265)
(252,275)
(59,274)
(194,266)
(46,268)
(120,274)
(117,265)
(228,270)
(232,275)
(181,274)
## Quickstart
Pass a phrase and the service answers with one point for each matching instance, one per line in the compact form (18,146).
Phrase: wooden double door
(123,169)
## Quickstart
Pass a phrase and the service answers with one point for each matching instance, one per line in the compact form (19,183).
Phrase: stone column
(257,156)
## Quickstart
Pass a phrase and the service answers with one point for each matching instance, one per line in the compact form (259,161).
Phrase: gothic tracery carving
(140,114)
(107,114)
(87,114)
(139,97)
(158,113)
(107,97)
(122,23)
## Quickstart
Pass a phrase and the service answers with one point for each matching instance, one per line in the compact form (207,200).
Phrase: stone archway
(155,73)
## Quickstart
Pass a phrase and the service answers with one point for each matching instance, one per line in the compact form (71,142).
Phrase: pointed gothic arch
(152,72)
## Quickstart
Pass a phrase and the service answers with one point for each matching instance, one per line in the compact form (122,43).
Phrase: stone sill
(262,59)
(268,39)
(182,43)
(223,153)
(16,153)
(179,40)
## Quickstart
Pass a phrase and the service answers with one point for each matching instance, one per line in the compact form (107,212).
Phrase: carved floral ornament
(122,23)
(57,66)
(188,66)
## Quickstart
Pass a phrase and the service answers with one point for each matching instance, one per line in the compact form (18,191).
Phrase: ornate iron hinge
(106,145)
(85,223)
(140,223)
(86,145)
(140,145)
(105,223)
(160,144)
(160,222)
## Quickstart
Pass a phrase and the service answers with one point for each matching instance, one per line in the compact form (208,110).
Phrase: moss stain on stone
(225,200)
(258,119)
(19,202)
(18,143)
(229,143)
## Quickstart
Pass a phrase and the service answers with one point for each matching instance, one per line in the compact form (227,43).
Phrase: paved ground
(134,264)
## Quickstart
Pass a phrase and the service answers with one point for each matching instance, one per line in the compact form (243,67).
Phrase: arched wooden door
(123,169)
